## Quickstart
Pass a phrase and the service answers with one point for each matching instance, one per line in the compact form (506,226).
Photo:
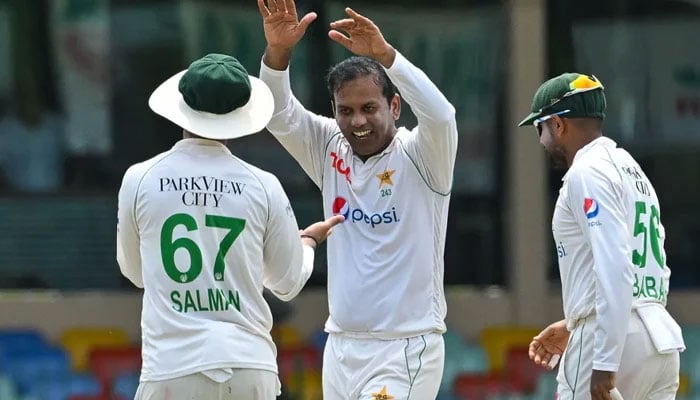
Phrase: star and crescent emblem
(382,395)
(385,177)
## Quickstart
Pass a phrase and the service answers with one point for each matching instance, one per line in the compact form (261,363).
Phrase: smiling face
(365,103)
(365,117)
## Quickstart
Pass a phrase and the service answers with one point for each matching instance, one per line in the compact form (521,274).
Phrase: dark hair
(356,67)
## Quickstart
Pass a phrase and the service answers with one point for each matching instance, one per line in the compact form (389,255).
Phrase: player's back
(651,277)
(202,215)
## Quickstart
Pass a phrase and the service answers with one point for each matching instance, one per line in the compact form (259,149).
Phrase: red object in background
(521,373)
(478,386)
(108,363)
(296,360)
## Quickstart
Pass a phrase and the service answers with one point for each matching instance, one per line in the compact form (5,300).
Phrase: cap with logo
(214,98)
(576,95)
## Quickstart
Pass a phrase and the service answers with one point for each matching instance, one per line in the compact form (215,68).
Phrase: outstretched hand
(362,37)
(321,230)
(549,344)
(283,29)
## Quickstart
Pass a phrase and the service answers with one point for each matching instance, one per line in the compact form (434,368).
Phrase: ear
(558,125)
(333,107)
(395,107)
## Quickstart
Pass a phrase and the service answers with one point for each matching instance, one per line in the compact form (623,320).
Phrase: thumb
(307,20)
(334,220)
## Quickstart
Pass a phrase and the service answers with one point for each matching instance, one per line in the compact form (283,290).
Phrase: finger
(553,362)
(274,5)
(290,7)
(307,20)
(532,349)
(544,359)
(340,38)
(343,23)
(357,17)
(264,11)
(334,220)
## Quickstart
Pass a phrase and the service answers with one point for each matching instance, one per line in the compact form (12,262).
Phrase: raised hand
(549,343)
(362,37)
(282,27)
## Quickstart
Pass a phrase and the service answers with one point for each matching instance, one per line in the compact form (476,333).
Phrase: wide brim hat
(203,105)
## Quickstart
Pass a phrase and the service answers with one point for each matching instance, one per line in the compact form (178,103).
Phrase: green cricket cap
(583,95)
(215,83)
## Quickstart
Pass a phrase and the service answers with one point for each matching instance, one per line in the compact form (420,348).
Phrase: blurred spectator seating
(79,341)
(496,341)
(109,364)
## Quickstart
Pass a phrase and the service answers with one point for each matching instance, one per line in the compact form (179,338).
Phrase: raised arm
(283,30)
(433,143)
(302,133)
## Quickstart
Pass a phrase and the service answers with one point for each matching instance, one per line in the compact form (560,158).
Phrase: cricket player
(610,243)
(203,232)
(385,262)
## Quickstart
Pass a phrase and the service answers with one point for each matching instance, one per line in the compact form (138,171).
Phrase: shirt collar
(197,143)
(601,141)
(388,148)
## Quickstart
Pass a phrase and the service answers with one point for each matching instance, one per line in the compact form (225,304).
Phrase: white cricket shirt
(385,262)
(202,232)
(610,243)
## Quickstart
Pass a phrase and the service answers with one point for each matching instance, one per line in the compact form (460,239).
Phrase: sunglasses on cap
(582,84)
(538,122)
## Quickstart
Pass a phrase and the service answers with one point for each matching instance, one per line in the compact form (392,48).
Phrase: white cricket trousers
(644,373)
(246,384)
(370,369)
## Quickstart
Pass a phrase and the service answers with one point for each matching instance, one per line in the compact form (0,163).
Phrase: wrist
(309,240)
(277,58)
(387,57)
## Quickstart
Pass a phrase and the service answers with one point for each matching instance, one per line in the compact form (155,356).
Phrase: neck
(584,138)
(189,135)
(365,157)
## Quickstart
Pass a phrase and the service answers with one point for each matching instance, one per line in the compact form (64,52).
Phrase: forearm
(290,286)
(386,57)
(277,58)
(129,260)
(422,95)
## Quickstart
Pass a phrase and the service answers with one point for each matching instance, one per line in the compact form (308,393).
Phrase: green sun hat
(582,95)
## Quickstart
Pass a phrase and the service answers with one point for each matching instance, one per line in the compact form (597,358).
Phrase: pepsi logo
(357,215)
(590,207)
(341,206)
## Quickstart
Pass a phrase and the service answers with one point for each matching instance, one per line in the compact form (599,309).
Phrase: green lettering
(234,299)
(216,302)
(650,284)
(175,298)
(199,303)
(189,302)
(662,290)
(642,289)
(636,287)
(225,299)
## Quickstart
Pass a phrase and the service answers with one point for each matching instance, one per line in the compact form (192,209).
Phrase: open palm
(363,36)
(282,27)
